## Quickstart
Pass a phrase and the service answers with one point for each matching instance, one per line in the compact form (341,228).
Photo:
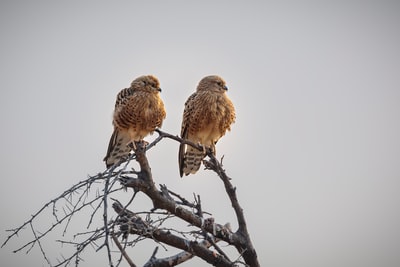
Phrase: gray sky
(314,153)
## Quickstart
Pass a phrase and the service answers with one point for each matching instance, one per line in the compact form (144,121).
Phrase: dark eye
(219,83)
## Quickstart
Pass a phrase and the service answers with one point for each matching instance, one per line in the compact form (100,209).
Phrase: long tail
(118,148)
(189,160)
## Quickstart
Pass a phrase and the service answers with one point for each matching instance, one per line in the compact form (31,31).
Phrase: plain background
(314,152)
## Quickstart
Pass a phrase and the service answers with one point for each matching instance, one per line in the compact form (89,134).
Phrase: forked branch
(128,227)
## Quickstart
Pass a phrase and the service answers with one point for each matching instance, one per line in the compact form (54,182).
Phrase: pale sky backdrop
(314,152)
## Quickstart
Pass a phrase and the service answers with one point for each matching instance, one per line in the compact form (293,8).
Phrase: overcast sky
(314,152)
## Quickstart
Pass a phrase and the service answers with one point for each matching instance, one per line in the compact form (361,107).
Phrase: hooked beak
(159,89)
(225,88)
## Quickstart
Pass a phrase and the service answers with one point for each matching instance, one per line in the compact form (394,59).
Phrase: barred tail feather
(191,161)
(118,148)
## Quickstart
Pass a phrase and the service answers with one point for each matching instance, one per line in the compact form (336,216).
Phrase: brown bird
(208,114)
(139,110)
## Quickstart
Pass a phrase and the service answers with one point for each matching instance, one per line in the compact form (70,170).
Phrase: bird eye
(219,83)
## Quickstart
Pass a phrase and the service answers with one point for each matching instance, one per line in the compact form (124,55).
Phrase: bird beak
(225,88)
(159,89)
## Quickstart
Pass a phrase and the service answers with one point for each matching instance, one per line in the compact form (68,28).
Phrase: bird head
(148,83)
(212,83)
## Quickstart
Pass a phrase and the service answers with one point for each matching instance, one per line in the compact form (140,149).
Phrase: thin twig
(122,250)
(39,243)
(105,221)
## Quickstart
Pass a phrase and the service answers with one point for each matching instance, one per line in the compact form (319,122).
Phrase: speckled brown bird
(138,111)
(208,114)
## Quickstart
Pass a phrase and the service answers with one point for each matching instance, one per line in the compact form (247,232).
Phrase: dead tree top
(127,228)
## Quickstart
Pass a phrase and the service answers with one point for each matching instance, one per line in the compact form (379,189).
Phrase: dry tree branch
(133,224)
(80,246)
(123,252)
(63,196)
(244,245)
(105,220)
(39,243)
(200,242)
(145,183)
(172,260)
(70,207)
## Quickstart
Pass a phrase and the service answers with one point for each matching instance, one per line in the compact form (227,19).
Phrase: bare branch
(40,244)
(198,240)
(127,258)
(172,260)
(132,223)
(244,245)
(64,195)
(105,220)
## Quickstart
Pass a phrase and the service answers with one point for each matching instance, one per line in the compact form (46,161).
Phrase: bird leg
(132,145)
(212,148)
(138,144)
(145,143)
(203,146)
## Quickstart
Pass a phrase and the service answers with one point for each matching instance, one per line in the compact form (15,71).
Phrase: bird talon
(141,144)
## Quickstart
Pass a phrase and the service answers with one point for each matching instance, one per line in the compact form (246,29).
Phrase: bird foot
(203,146)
